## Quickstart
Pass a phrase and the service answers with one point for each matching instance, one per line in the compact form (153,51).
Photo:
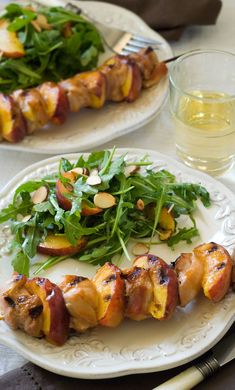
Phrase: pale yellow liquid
(205,131)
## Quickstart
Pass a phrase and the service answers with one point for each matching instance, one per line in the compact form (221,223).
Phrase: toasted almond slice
(104,200)
(43,23)
(130,169)
(40,195)
(140,249)
(80,171)
(140,204)
(94,172)
(93,180)
(26,218)
(36,26)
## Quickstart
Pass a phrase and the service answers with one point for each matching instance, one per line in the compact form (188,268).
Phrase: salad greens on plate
(44,44)
(103,202)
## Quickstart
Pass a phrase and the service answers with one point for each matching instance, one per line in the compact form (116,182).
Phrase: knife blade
(222,353)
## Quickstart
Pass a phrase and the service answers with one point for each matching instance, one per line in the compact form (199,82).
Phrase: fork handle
(186,380)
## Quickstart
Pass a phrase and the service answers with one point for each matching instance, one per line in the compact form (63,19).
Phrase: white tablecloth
(156,135)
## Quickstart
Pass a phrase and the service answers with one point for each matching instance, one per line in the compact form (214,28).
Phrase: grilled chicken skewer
(120,78)
(151,288)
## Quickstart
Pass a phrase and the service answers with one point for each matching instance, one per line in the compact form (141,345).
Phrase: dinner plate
(133,347)
(90,128)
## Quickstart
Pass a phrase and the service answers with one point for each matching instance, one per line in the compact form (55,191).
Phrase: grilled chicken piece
(123,79)
(217,273)
(165,286)
(110,285)
(33,108)
(138,294)
(21,309)
(77,94)
(12,124)
(152,71)
(189,270)
(56,101)
(81,299)
(96,85)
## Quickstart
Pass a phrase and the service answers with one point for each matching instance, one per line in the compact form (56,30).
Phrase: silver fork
(117,40)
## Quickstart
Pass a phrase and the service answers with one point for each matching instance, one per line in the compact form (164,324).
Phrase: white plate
(133,347)
(90,128)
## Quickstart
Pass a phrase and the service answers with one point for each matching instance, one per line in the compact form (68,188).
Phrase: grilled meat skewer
(120,78)
(151,288)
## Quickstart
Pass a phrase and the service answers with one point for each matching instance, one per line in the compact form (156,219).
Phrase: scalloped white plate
(90,128)
(132,347)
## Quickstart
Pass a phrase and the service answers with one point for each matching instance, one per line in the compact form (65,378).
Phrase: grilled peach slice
(95,83)
(59,245)
(139,293)
(81,299)
(33,108)
(233,277)
(66,188)
(133,84)
(12,124)
(189,270)
(217,265)
(55,315)
(166,224)
(57,105)
(165,286)
(10,45)
(110,286)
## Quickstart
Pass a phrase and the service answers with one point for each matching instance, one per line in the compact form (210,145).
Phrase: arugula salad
(44,44)
(101,201)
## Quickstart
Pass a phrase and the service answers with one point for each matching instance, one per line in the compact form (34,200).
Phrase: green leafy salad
(103,200)
(44,44)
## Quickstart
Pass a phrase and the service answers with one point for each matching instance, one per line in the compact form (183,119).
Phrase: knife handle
(189,378)
(186,380)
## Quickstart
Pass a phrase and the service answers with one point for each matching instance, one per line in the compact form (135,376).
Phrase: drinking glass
(202,100)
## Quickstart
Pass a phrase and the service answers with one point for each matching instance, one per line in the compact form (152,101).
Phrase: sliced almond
(42,22)
(26,218)
(93,180)
(94,172)
(140,204)
(140,249)
(104,200)
(40,195)
(79,171)
(130,170)
(36,25)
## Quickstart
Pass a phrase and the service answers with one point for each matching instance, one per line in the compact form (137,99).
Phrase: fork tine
(132,49)
(147,41)
(140,45)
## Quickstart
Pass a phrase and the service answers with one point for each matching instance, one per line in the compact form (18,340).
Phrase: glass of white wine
(202,99)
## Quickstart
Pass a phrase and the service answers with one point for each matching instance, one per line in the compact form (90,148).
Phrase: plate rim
(128,367)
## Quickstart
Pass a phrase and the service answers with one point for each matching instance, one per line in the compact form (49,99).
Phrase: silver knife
(222,353)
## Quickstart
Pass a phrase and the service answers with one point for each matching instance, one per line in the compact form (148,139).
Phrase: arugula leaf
(11,211)
(21,263)
(183,234)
